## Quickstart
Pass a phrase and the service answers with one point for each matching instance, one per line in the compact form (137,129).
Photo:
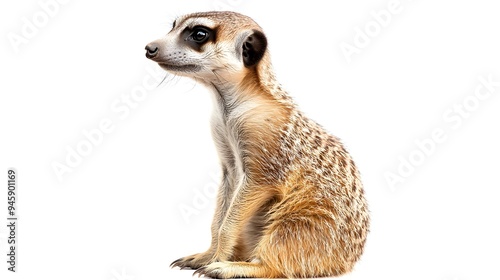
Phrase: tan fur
(291,203)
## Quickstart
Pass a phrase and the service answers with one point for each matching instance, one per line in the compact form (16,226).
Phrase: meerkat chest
(228,125)
(227,138)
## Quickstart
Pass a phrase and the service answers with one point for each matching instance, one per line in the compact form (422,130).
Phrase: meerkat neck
(258,85)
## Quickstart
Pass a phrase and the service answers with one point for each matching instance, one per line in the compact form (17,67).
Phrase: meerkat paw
(193,262)
(218,270)
(225,270)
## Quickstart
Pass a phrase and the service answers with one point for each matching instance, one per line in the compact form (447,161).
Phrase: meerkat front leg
(196,261)
(247,201)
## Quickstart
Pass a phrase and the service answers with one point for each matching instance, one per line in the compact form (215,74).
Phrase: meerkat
(291,202)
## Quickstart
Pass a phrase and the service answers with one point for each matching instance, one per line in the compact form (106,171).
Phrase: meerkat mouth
(180,68)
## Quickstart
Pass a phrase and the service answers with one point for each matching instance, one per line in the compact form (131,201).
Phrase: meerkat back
(290,202)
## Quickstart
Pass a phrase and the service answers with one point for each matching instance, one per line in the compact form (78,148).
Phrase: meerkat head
(211,46)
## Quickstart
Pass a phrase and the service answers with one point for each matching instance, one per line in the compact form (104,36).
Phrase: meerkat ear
(253,48)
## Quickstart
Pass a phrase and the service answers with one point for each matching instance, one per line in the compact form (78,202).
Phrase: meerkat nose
(151,50)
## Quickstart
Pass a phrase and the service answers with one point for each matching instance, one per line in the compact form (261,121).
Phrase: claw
(182,263)
(207,272)
(175,263)
(200,271)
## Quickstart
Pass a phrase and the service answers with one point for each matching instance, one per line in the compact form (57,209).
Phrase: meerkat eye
(200,35)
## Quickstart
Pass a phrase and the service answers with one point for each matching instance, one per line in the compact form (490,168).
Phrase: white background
(117,214)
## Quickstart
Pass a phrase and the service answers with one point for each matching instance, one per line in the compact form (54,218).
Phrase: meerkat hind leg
(225,270)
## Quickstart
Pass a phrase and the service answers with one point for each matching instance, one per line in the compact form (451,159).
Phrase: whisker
(166,74)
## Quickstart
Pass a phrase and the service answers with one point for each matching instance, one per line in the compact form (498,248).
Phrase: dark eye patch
(200,35)
(197,36)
